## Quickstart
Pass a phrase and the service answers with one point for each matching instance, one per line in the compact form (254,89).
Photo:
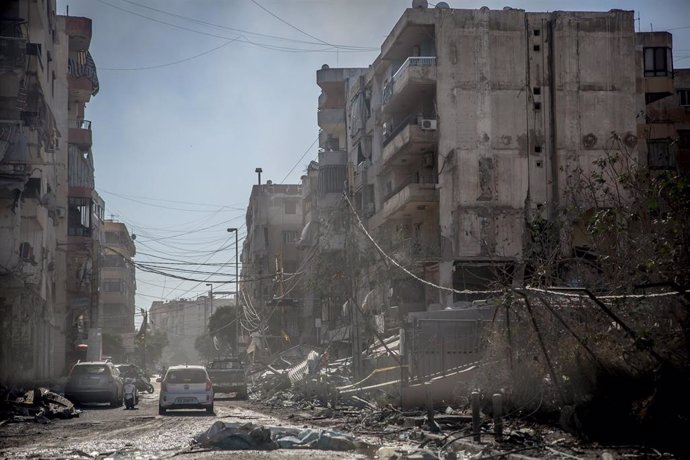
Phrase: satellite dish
(442,6)
(325,67)
(421,4)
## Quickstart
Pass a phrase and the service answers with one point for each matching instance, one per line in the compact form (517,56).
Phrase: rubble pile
(38,404)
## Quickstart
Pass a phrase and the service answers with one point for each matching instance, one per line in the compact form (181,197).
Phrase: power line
(168,64)
(199,21)
(300,159)
(287,23)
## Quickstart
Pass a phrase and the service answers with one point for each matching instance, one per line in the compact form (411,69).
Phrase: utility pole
(206,308)
(237,289)
(144,328)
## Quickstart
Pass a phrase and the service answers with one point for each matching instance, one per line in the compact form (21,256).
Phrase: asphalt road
(104,432)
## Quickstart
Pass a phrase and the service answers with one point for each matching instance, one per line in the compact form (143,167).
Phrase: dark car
(94,382)
(228,376)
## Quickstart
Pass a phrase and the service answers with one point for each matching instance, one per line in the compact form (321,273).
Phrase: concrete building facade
(183,321)
(43,293)
(466,133)
(270,258)
(31,151)
(117,284)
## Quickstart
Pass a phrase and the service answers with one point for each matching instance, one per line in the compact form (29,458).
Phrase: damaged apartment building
(464,132)
(49,210)
(270,274)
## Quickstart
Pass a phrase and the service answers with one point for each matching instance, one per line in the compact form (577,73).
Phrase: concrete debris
(248,436)
(39,405)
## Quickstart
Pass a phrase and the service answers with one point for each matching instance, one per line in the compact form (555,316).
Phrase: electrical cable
(300,159)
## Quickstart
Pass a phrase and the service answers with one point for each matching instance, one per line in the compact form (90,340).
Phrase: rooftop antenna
(651,27)
(638,22)
(259,171)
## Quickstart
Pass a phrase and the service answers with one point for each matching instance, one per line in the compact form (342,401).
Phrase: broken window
(659,155)
(79,217)
(658,61)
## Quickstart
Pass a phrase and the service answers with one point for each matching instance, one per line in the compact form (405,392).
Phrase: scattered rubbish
(248,436)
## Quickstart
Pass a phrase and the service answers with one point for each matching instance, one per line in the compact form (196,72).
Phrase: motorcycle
(143,385)
(131,394)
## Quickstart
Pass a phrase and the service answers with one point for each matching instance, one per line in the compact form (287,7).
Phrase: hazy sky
(176,140)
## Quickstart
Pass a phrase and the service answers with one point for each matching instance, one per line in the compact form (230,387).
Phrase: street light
(237,291)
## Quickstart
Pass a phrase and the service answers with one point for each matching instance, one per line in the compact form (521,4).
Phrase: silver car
(94,381)
(186,387)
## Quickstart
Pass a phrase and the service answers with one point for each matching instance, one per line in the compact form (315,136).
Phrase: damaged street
(391,229)
(102,432)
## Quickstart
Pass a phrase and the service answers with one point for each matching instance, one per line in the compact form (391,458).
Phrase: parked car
(228,376)
(186,387)
(94,381)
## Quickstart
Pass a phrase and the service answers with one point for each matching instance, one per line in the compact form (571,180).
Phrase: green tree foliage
(222,326)
(636,220)
(204,346)
(112,346)
(155,341)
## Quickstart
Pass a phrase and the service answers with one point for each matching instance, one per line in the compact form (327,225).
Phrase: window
(289,236)
(290,206)
(112,286)
(684,95)
(537,106)
(536,48)
(659,154)
(658,61)
(536,90)
(113,260)
(537,32)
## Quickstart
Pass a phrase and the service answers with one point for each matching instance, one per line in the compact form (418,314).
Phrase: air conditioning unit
(428,124)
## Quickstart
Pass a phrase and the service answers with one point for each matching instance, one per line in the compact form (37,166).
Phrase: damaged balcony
(412,137)
(79,31)
(331,120)
(411,199)
(82,76)
(414,80)
(80,135)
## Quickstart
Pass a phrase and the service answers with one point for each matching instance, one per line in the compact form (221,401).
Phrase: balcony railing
(412,179)
(412,61)
(412,119)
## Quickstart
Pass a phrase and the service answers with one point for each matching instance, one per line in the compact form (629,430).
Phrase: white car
(186,387)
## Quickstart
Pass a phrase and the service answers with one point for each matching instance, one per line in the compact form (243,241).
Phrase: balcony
(414,80)
(411,199)
(409,139)
(331,120)
(82,77)
(81,134)
(78,30)
(12,53)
